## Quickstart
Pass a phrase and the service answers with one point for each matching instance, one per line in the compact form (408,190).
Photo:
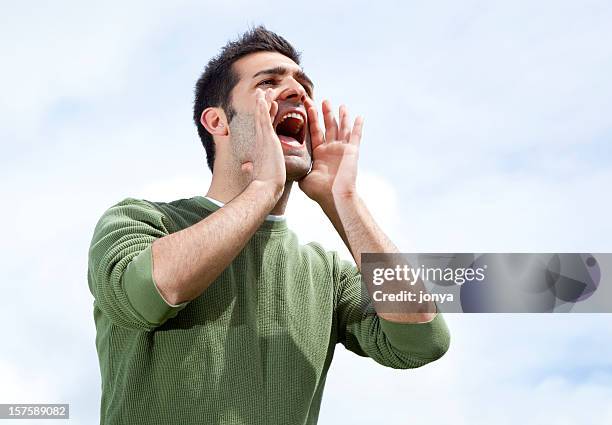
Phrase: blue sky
(487,128)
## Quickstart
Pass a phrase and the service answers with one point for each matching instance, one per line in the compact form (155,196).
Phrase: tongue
(289,140)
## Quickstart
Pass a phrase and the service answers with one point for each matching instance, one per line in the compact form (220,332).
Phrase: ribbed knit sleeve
(396,345)
(120,271)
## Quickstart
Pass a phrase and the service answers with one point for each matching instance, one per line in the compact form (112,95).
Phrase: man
(207,309)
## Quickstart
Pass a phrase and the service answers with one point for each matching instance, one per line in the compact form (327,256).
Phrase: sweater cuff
(143,293)
(429,340)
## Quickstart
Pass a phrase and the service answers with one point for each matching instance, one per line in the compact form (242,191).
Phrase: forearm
(329,208)
(185,263)
(331,182)
(357,227)
(363,235)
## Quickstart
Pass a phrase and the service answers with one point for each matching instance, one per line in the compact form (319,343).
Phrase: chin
(296,167)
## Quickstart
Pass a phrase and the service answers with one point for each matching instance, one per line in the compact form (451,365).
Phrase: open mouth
(291,128)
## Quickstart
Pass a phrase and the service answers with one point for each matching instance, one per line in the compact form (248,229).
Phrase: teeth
(298,128)
(292,115)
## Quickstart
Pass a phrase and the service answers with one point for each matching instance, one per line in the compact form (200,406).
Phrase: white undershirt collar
(269,217)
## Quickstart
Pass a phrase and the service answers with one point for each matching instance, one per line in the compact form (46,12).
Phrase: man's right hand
(267,165)
(188,261)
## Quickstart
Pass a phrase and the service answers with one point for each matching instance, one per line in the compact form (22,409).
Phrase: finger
(345,128)
(261,111)
(357,131)
(260,99)
(266,108)
(331,126)
(268,96)
(247,165)
(259,92)
(308,103)
(316,134)
(272,104)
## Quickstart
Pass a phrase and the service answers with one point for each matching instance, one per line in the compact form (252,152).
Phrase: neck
(281,205)
(225,188)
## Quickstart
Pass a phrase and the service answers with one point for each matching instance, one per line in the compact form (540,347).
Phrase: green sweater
(254,348)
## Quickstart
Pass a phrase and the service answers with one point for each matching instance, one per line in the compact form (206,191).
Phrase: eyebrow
(281,71)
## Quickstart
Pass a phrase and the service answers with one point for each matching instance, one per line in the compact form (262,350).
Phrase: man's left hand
(335,154)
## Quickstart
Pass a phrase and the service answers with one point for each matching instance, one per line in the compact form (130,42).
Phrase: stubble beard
(242,128)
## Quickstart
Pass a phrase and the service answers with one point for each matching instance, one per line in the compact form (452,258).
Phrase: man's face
(290,87)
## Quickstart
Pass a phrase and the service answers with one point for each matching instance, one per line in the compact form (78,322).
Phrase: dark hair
(215,85)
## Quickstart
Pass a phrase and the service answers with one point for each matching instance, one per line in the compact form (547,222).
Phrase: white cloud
(174,187)
(502,369)
(73,51)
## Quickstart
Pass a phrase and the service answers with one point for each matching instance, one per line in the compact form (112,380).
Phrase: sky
(487,129)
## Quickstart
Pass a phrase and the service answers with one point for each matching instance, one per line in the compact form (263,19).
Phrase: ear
(215,121)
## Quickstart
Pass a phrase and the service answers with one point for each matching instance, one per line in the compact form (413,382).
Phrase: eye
(266,82)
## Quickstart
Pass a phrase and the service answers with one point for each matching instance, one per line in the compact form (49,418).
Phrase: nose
(293,92)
